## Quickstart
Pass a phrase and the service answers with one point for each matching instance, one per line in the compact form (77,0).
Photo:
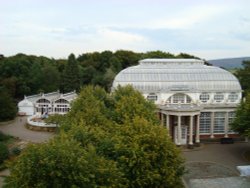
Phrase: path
(18,129)
(216,160)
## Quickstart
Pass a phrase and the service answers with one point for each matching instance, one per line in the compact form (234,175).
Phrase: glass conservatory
(195,101)
(48,103)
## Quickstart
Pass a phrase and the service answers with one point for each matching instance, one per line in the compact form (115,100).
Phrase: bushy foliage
(129,103)
(243,75)
(4,152)
(4,137)
(147,156)
(15,151)
(71,75)
(27,74)
(104,131)
(8,108)
(63,163)
(241,123)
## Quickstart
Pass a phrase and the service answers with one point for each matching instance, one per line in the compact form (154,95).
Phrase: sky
(209,29)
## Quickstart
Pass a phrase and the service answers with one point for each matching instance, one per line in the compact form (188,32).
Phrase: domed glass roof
(155,75)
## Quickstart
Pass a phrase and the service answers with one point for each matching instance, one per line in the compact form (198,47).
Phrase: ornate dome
(155,75)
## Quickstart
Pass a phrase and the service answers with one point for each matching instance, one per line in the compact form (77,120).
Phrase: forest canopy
(28,74)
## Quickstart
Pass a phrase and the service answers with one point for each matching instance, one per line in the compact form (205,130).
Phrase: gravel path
(17,129)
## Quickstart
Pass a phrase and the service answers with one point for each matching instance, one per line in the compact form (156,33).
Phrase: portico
(182,122)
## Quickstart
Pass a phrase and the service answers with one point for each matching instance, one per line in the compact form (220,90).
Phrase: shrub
(4,152)
(15,151)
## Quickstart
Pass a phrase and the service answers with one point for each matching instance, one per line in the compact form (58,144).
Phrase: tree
(8,108)
(71,77)
(241,122)
(129,103)
(51,78)
(62,162)
(4,152)
(244,76)
(103,142)
(147,156)
(124,128)
(158,54)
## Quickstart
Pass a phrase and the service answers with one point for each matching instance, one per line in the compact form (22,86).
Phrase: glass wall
(205,122)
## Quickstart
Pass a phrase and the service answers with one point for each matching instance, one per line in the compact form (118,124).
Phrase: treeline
(28,74)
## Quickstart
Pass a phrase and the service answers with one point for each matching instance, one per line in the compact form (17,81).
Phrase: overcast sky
(208,29)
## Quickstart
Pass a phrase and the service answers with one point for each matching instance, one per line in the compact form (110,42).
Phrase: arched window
(204,97)
(61,101)
(179,98)
(233,97)
(42,101)
(218,97)
(152,97)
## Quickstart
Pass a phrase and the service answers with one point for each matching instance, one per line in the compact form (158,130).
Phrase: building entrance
(183,140)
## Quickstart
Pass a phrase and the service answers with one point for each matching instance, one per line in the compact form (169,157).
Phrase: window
(188,99)
(231,116)
(204,97)
(152,97)
(232,97)
(205,122)
(219,122)
(178,98)
(61,101)
(218,97)
(43,101)
(183,132)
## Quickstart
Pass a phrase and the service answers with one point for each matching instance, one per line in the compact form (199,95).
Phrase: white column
(212,125)
(197,138)
(167,121)
(162,119)
(179,131)
(226,125)
(191,131)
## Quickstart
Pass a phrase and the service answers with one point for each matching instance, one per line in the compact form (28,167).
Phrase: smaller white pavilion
(49,103)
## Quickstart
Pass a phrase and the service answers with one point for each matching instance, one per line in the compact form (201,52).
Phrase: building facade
(195,101)
(49,103)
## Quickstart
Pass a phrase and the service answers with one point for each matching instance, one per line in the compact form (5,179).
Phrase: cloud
(119,36)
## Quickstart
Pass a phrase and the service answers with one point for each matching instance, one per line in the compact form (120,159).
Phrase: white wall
(26,110)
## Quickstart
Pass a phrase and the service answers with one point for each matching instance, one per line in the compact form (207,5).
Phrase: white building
(50,103)
(195,101)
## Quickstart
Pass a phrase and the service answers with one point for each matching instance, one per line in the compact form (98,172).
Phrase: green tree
(51,78)
(71,76)
(110,145)
(147,156)
(89,107)
(244,76)
(62,162)
(133,139)
(127,58)
(8,108)
(4,152)
(129,103)
(241,122)
(158,54)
